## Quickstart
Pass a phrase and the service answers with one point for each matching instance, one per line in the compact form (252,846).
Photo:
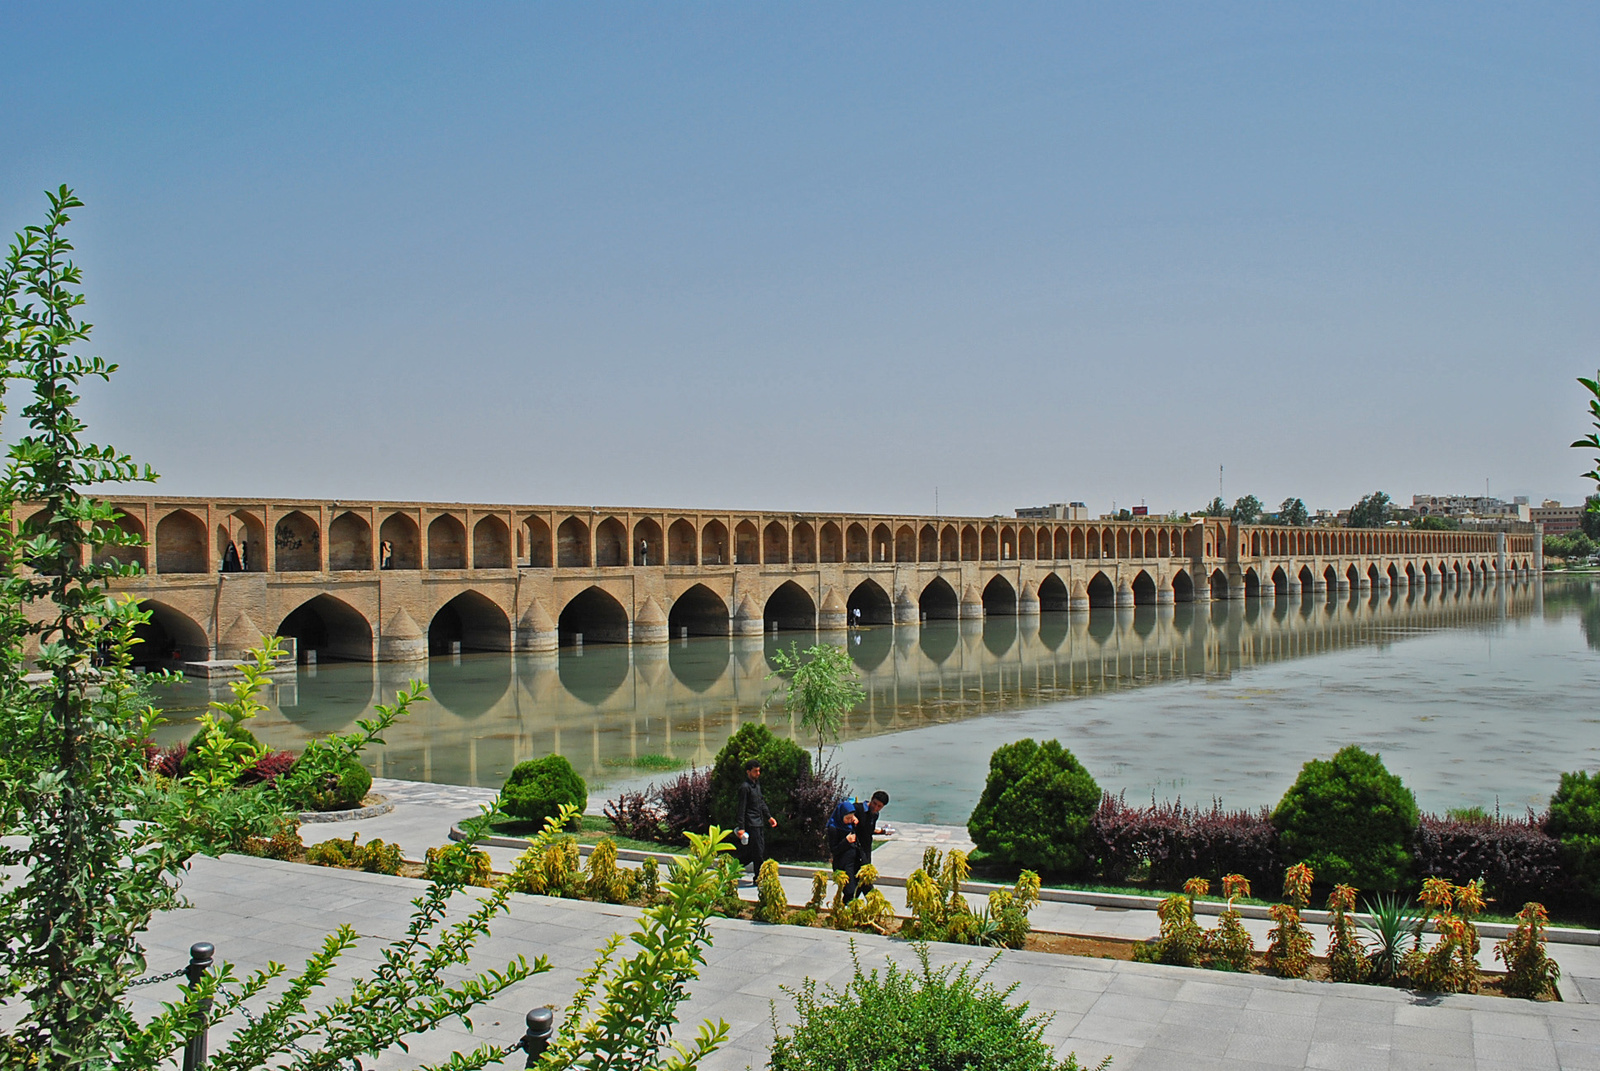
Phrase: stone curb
(1556,935)
(383,806)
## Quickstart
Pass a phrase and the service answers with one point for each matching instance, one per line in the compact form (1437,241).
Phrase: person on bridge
(230,559)
(752,819)
(850,830)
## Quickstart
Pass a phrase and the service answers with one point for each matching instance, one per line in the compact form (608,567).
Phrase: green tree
(1217,508)
(1371,512)
(1293,511)
(1246,510)
(1035,808)
(1589,523)
(820,686)
(1350,819)
(1591,441)
(1430,522)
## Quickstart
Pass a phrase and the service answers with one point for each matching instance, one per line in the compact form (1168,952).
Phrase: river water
(1473,694)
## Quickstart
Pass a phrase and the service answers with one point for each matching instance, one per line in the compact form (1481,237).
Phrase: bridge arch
(746,544)
(928,544)
(447,542)
(949,544)
(1026,543)
(1093,543)
(1008,543)
(572,544)
(882,544)
(1144,589)
(491,544)
(405,542)
(1280,580)
(969,543)
(682,546)
(1053,595)
(790,608)
(830,543)
(535,542)
(1219,585)
(349,543)
(124,555)
(1252,584)
(647,543)
(594,614)
(1308,580)
(988,544)
(611,544)
(169,632)
(804,540)
(331,627)
(699,610)
(1182,586)
(714,543)
(999,598)
(855,545)
(1102,592)
(874,603)
(474,621)
(905,544)
(938,601)
(181,543)
(297,543)
(248,534)
(775,544)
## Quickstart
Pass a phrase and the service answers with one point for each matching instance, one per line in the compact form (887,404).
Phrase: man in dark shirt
(752,819)
(850,831)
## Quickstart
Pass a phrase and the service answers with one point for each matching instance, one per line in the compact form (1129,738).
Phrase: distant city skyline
(828,258)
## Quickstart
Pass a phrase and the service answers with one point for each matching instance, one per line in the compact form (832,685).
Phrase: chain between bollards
(541,1028)
(194,1053)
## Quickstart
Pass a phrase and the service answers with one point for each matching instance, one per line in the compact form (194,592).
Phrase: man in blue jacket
(850,830)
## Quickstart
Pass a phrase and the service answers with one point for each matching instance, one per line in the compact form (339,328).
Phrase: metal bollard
(541,1028)
(194,1053)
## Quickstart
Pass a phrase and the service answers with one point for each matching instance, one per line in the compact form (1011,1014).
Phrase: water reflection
(603,706)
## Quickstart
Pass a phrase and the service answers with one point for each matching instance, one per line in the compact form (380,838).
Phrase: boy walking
(752,819)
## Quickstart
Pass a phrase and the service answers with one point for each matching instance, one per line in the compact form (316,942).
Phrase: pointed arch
(790,608)
(700,611)
(1123,550)
(471,619)
(1080,544)
(928,544)
(1219,585)
(1163,546)
(969,543)
(882,544)
(595,615)
(248,533)
(999,598)
(1182,586)
(1252,584)
(1026,544)
(775,544)
(938,601)
(572,544)
(746,543)
(297,543)
(169,638)
(400,532)
(1144,589)
(349,543)
(830,543)
(949,544)
(1308,579)
(181,543)
(714,543)
(855,544)
(611,544)
(127,555)
(491,544)
(1280,579)
(988,544)
(1093,543)
(331,627)
(447,543)
(682,546)
(804,540)
(1053,595)
(1102,592)
(1008,543)
(647,545)
(905,544)
(536,545)
(874,603)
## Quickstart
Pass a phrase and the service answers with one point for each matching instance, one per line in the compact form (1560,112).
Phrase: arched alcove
(331,627)
(596,616)
(790,608)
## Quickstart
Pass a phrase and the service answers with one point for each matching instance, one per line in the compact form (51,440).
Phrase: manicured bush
(1350,819)
(538,788)
(1575,822)
(1035,808)
(920,1017)
(1517,858)
(1177,842)
(336,787)
(798,797)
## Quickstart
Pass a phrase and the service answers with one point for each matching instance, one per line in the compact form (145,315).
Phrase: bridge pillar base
(1293,588)
(1267,591)
(1164,597)
(1319,587)
(537,641)
(1077,605)
(906,610)
(971,604)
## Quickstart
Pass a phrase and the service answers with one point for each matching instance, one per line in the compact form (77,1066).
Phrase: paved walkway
(1145,1016)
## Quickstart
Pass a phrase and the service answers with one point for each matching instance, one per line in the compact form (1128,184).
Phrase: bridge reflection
(605,706)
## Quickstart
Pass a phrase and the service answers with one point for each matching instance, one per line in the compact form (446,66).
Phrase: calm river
(1472,695)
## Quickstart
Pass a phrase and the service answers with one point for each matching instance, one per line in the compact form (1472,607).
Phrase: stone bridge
(396,581)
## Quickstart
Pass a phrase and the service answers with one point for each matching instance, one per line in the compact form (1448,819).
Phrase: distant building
(1055,511)
(1556,518)
(1469,508)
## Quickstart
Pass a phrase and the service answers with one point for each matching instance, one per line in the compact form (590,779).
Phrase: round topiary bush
(1575,822)
(340,787)
(537,788)
(798,797)
(1350,820)
(1035,808)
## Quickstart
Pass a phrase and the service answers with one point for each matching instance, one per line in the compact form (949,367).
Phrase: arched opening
(180,543)
(855,544)
(999,598)
(1411,573)
(699,610)
(949,544)
(1219,585)
(168,638)
(1045,547)
(905,544)
(248,534)
(646,546)
(1053,595)
(681,544)
(1353,577)
(969,544)
(714,543)
(124,555)
(1144,589)
(746,544)
(595,616)
(775,544)
(1252,584)
(830,545)
(330,627)
(572,544)
(1280,581)
(938,601)
(447,543)
(989,547)
(473,621)
(1102,593)
(1093,543)
(610,543)
(297,543)
(1308,580)
(349,543)
(1330,578)
(882,544)
(928,544)
(399,543)
(1394,575)
(790,608)
(1182,586)
(536,535)
(804,543)
(1123,550)
(869,605)
(491,544)
(1025,544)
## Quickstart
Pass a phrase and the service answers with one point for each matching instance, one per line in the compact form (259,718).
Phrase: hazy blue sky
(827,256)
